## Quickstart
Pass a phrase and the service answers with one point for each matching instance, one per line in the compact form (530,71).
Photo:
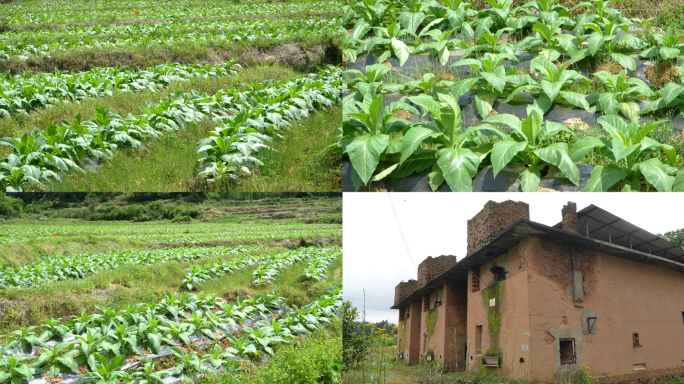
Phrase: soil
(540,189)
(661,74)
(50,380)
(225,343)
(165,362)
(402,114)
(577,123)
(387,63)
(83,369)
(445,76)
(133,359)
(610,67)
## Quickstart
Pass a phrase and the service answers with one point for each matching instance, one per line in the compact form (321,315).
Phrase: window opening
(567,351)
(635,341)
(591,322)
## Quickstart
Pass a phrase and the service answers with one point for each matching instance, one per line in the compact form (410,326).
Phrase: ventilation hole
(522,361)
(567,351)
(472,358)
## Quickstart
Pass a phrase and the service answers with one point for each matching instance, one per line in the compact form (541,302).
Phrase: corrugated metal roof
(600,224)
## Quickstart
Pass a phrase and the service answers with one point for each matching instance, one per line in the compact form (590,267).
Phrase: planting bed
(539,97)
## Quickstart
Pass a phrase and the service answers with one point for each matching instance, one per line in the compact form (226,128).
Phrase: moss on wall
(403,335)
(431,321)
(494,291)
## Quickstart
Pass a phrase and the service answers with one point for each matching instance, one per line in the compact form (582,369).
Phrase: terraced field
(232,95)
(126,302)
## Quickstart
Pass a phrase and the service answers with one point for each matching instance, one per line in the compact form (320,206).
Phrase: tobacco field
(542,95)
(115,301)
(95,94)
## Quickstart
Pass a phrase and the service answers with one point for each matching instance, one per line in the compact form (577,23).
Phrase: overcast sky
(434,224)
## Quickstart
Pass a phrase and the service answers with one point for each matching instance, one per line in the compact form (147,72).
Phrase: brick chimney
(404,289)
(570,217)
(433,266)
(492,219)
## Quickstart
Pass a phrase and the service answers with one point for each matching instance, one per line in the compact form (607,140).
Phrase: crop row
(318,266)
(242,131)
(146,231)
(199,274)
(27,92)
(271,267)
(73,34)
(166,13)
(261,114)
(456,154)
(274,30)
(103,341)
(57,268)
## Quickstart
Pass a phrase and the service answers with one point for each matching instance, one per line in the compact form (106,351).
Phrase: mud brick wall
(570,217)
(492,219)
(404,289)
(433,266)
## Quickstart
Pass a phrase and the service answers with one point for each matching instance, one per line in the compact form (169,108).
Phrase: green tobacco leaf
(668,53)
(461,87)
(531,126)
(364,153)
(483,108)
(557,154)
(603,178)
(678,185)
(584,147)
(458,166)
(436,178)
(656,174)
(496,79)
(384,173)
(401,51)
(411,20)
(529,179)
(415,163)
(503,152)
(609,104)
(551,89)
(413,138)
(627,62)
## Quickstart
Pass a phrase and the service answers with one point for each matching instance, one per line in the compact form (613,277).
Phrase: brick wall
(404,289)
(473,280)
(492,219)
(570,217)
(429,268)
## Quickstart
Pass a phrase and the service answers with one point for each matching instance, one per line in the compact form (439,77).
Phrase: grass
(315,359)
(296,164)
(133,284)
(143,56)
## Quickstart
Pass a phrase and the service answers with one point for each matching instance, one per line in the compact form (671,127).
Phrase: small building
(544,303)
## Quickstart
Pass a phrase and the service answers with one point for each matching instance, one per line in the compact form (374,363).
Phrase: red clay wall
(492,219)
(412,334)
(512,338)
(628,297)
(404,289)
(449,329)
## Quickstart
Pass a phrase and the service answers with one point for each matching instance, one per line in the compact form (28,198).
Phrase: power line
(402,232)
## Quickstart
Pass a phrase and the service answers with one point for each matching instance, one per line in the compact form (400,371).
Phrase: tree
(354,343)
(674,237)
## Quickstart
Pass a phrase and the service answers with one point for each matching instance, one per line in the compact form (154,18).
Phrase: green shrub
(317,359)
(180,219)
(10,207)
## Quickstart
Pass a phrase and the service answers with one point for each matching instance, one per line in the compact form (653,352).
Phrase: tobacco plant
(631,150)
(531,142)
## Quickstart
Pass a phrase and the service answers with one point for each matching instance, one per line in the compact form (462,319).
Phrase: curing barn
(535,302)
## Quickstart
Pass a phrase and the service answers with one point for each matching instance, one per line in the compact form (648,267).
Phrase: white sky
(376,259)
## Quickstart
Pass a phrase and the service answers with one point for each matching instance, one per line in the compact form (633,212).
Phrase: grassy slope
(168,164)
(142,284)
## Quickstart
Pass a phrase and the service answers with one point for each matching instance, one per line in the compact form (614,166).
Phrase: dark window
(635,340)
(567,351)
(426,303)
(498,273)
(682,316)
